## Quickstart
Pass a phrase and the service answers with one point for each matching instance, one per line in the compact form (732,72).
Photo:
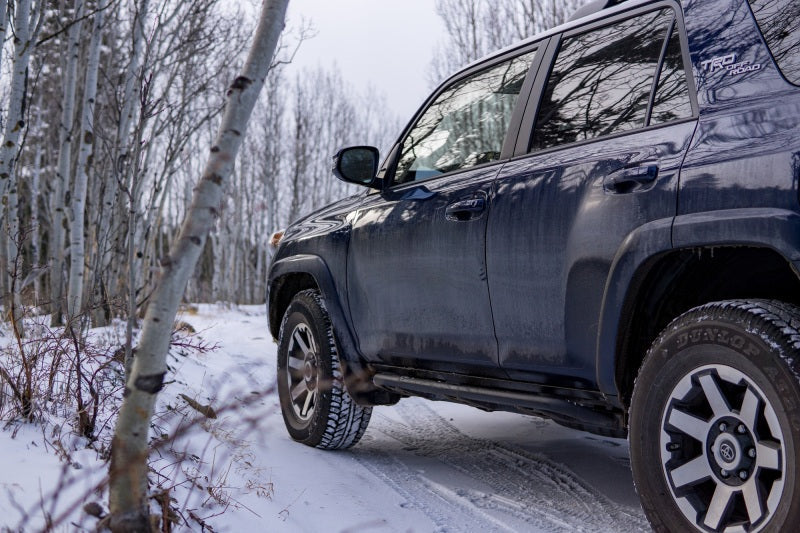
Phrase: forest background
(107,108)
(107,111)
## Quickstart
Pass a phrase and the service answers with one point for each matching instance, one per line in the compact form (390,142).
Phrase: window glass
(779,21)
(601,81)
(672,96)
(465,125)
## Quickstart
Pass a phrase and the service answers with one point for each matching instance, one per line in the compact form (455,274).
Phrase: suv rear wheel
(715,420)
(317,409)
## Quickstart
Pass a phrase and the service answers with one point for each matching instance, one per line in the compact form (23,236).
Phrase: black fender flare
(775,229)
(357,377)
(778,229)
(639,247)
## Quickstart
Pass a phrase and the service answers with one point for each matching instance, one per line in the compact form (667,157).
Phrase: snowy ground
(421,466)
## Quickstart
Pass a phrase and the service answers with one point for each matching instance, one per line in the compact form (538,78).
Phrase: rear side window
(603,81)
(466,124)
(779,21)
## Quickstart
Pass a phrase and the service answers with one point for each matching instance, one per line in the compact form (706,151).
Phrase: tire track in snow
(447,511)
(525,487)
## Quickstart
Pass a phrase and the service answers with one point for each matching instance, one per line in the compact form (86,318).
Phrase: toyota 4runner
(599,225)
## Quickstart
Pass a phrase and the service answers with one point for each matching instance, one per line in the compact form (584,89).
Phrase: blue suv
(599,225)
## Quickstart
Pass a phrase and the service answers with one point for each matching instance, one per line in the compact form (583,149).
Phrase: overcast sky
(383,44)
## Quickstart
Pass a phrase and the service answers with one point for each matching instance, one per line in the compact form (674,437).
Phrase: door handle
(464,210)
(632,178)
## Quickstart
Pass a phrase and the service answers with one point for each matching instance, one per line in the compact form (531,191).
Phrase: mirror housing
(358,165)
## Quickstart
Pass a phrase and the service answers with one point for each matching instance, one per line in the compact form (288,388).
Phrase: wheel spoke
(690,473)
(298,390)
(312,343)
(295,363)
(724,410)
(696,428)
(714,396)
(301,342)
(718,506)
(753,502)
(310,396)
(768,456)
(749,410)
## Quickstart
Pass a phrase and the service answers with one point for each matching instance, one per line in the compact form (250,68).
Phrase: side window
(602,81)
(466,124)
(779,21)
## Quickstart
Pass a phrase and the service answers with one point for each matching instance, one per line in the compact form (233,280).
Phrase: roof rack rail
(593,7)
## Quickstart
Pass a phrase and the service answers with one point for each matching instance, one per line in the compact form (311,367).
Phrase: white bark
(128,471)
(35,186)
(24,35)
(111,202)
(3,25)
(14,256)
(131,91)
(27,23)
(56,261)
(78,200)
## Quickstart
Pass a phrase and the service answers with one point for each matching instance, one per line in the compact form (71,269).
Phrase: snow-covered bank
(421,466)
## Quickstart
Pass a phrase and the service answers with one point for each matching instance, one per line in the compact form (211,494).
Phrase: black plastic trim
(563,410)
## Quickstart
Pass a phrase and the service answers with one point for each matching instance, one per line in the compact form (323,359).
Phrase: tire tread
(345,421)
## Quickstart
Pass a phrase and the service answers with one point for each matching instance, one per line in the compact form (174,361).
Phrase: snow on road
(421,466)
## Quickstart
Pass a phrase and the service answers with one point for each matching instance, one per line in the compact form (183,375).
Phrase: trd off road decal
(729,63)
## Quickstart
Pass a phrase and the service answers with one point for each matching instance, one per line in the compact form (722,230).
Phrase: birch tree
(3,25)
(26,25)
(27,22)
(78,198)
(34,195)
(128,470)
(112,201)
(63,174)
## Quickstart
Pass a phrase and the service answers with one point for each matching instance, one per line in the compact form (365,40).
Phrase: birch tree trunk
(78,201)
(35,186)
(56,249)
(27,23)
(122,158)
(128,469)
(24,36)
(14,257)
(3,26)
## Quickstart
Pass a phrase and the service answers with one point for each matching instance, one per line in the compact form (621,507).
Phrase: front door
(417,285)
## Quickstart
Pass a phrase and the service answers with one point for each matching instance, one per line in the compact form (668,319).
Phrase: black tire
(316,407)
(715,420)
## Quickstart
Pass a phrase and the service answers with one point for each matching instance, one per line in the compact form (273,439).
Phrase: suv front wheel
(316,407)
(715,420)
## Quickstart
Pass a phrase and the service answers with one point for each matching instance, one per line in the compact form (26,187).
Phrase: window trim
(660,69)
(523,145)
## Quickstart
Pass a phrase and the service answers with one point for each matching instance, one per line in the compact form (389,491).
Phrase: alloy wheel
(303,374)
(722,450)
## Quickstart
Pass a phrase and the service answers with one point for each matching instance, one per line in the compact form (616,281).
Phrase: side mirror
(357,164)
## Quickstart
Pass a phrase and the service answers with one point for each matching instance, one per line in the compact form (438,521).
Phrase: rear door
(608,135)
(416,274)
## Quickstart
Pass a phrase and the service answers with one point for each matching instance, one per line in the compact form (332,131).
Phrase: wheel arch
(738,254)
(300,272)
(676,282)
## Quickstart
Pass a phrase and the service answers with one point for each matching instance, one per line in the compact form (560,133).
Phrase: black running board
(561,410)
